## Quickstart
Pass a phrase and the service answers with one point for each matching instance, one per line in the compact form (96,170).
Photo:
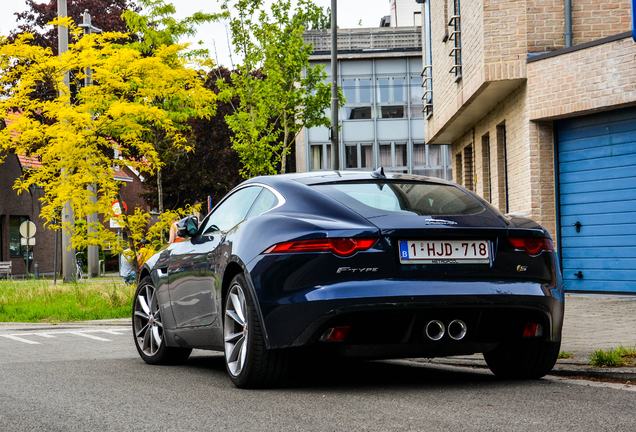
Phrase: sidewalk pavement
(592,322)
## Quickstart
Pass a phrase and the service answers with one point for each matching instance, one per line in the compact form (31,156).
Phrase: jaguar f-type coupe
(367,265)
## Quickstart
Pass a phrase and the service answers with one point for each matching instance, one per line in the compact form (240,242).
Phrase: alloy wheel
(147,326)
(235,330)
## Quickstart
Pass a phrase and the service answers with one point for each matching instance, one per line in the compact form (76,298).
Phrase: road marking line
(19,339)
(89,336)
(44,335)
(113,332)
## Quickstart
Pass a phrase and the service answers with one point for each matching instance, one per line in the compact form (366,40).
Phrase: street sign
(114,221)
(27,229)
(31,241)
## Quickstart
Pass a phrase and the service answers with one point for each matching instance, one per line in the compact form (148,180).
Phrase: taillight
(532,245)
(339,246)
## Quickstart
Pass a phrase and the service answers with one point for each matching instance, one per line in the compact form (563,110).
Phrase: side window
(231,211)
(265,201)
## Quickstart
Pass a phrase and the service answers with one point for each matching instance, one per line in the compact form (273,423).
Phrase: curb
(621,374)
(12,326)
(564,370)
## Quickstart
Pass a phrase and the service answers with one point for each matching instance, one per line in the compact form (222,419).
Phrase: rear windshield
(426,199)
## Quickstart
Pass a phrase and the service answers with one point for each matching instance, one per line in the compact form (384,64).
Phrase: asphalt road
(91,378)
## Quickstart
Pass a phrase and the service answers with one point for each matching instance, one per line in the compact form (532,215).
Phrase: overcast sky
(350,12)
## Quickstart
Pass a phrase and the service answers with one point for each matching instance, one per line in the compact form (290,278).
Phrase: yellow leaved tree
(81,133)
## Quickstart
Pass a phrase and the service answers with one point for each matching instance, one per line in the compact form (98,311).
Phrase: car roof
(321,177)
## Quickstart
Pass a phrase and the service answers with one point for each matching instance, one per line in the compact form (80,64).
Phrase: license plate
(444,252)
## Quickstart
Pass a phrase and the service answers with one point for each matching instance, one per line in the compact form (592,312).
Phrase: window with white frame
(320,156)
(391,97)
(359,155)
(417,92)
(394,156)
(358,95)
(432,160)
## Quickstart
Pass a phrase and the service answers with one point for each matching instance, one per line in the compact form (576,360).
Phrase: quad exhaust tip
(435,330)
(457,329)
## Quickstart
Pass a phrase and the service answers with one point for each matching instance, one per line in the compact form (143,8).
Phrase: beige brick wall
(445,86)
(542,180)
(546,25)
(504,30)
(497,35)
(493,48)
(509,114)
(530,160)
(599,77)
(472,39)
(596,19)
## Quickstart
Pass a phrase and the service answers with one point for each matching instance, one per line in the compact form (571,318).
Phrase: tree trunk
(160,191)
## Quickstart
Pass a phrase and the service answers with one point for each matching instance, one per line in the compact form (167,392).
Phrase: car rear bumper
(387,318)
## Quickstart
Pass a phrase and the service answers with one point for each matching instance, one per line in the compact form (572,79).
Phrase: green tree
(320,19)
(210,169)
(79,140)
(154,28)
(278,91)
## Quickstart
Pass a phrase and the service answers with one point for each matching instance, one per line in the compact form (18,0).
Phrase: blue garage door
(597,191)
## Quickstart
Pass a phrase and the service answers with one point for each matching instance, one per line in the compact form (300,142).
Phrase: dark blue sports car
(355,264)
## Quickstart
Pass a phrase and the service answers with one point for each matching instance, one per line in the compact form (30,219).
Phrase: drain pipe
(568,23)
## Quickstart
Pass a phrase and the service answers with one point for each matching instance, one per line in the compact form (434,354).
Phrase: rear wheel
(148,328)
(248,361)
(526,360)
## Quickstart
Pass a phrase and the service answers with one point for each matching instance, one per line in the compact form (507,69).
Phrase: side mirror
(188,227)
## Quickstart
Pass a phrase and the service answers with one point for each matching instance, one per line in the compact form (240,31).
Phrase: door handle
(579,274)
(577,224)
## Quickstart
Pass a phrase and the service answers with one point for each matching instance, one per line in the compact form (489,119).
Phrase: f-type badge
(357,270)
(521,268)
(439,222)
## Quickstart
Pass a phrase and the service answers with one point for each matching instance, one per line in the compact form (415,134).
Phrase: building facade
(382,123)
(538,106)
(16,209)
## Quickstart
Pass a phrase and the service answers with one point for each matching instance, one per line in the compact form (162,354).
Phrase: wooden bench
(5,267)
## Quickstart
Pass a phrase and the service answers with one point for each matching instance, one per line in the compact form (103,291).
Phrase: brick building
(537,100)
(15,209)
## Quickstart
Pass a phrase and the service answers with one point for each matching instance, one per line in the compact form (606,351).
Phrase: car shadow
(339,373)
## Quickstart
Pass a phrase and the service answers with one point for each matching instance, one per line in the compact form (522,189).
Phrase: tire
(248,361)
(148,328)
(525,360)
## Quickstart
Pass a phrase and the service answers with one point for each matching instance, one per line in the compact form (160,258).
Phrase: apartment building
(382,123)
(538,100)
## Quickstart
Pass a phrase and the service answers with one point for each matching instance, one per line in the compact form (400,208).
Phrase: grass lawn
(41,301)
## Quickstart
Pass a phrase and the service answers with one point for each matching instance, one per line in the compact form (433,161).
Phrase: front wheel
(248,361)
(148,328)
(525,360)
